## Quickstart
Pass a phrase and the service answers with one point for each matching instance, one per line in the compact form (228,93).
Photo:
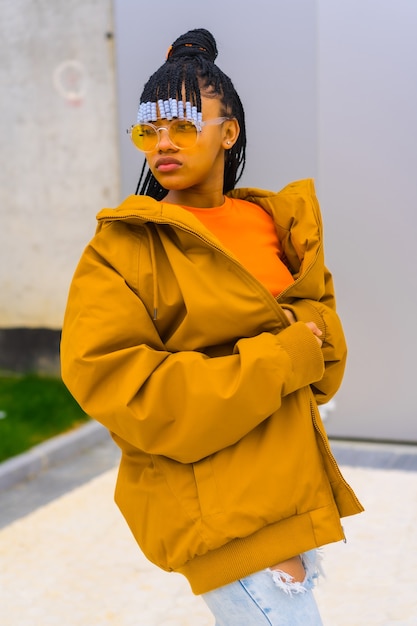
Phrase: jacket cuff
(303,311)
(305,354)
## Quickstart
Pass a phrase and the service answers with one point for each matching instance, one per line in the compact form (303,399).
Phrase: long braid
(190,66)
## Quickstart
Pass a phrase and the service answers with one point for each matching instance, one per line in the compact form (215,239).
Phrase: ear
(231,132)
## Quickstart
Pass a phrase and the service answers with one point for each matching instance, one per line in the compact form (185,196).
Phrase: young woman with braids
(201,330)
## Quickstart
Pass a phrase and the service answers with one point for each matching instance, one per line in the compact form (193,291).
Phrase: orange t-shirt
(248,231)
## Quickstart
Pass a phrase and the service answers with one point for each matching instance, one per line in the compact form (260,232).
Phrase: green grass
(33,409)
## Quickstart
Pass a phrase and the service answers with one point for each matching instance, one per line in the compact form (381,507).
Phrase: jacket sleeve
(323,313)
(182,405)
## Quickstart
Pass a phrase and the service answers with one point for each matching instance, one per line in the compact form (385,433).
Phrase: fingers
(290,316)
(312,326)
(316,332)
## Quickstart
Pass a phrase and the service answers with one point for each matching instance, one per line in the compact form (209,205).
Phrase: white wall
(268,49)
(368,189)
(330,90)
(59,158)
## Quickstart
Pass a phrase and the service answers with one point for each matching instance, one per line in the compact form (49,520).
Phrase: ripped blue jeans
(268,598)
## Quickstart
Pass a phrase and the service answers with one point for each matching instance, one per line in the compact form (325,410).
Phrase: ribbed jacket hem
(270,545)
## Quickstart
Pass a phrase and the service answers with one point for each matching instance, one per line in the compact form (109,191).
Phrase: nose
(164,142)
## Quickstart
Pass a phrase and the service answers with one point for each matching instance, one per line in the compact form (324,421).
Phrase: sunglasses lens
(183,134)
(144,137)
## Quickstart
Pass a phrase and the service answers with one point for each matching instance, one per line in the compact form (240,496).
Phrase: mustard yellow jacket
(211,395)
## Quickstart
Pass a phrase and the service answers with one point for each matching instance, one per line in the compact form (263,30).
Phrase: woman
(201,330)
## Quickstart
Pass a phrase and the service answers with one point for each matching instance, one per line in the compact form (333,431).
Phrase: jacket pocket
(193,486)
(207,490)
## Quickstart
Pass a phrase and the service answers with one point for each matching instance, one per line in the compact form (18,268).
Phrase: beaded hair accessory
(172,108)
(169,109)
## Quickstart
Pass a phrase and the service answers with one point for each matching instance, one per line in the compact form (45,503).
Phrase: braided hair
(189,71)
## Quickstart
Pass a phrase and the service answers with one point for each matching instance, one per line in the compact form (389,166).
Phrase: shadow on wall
(30,350)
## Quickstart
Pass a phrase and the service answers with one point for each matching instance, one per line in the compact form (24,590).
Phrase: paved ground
(23,497)
(68,559)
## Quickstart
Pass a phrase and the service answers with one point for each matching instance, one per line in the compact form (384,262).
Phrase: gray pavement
(68,559)
(27,489)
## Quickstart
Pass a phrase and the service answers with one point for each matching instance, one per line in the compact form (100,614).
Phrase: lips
(167,164)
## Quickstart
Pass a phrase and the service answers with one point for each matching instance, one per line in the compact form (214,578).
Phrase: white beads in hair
(168,109)
(174,107)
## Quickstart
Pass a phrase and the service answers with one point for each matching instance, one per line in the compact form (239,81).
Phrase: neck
(194,199)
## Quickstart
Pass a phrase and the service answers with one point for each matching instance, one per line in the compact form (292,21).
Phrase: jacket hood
(293,203)
(295,211)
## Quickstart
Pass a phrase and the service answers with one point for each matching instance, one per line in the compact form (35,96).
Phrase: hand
(316,332)
(290,315)
(312,326)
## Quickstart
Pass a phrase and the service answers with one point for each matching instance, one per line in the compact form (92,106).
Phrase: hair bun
(197,42)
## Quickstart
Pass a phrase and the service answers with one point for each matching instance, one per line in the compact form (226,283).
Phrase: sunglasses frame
(198,126)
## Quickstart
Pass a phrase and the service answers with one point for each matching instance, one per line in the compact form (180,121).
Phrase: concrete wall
(58,149)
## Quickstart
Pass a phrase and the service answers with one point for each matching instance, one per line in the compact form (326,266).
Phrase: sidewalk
(73,562)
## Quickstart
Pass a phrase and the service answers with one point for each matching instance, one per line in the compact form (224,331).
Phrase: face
(194,176)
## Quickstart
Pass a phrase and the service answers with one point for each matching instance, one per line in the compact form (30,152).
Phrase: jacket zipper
(330,455)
